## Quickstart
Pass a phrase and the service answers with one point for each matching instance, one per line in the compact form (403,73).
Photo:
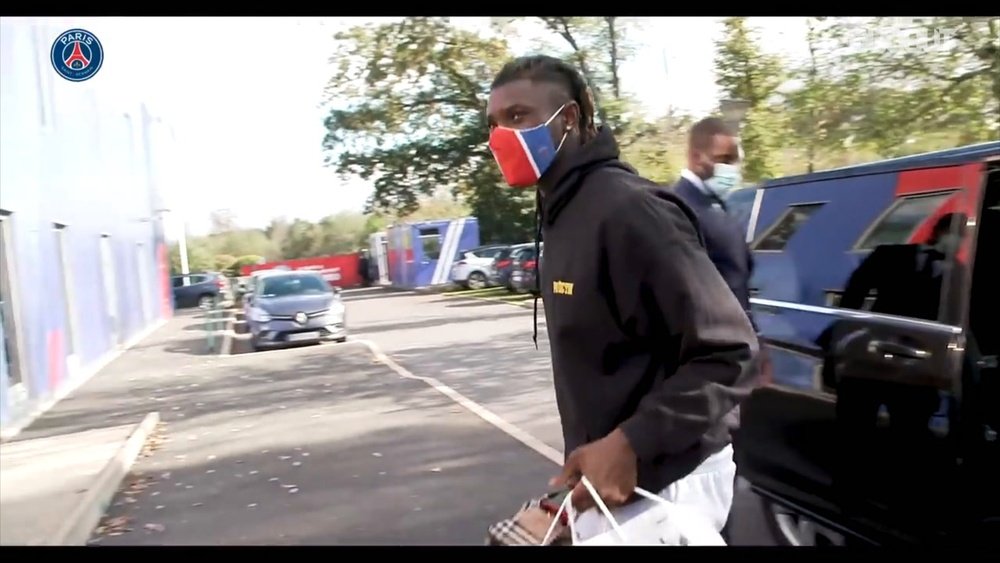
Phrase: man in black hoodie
(650,348)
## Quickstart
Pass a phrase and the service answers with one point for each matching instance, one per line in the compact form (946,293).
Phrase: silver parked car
(294,307)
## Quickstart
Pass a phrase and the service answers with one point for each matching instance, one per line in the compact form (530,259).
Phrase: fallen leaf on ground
(252,505)
(155,527)
(376,454)
(296,463)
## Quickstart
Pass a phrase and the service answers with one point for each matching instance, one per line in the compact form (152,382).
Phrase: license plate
(516,277)
(295,337)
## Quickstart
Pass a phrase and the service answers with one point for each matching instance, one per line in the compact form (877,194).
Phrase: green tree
(412,118)
(745,72)
(926,82)
(303,240)
(249,260)
(200,257)
(222,262)
(340,233)
(242,242)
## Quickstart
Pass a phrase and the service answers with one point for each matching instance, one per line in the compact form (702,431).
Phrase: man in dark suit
(712,171)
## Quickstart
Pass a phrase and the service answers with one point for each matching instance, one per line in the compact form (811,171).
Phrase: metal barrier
(215,322)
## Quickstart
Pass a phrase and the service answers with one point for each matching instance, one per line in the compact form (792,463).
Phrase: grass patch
(486,292)
(498,294)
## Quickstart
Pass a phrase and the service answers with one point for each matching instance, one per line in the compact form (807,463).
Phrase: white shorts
(708,489)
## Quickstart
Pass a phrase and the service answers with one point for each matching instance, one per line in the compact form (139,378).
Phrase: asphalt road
(318,445)
(484,350)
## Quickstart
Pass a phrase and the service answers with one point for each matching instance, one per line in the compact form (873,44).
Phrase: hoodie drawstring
(538,263)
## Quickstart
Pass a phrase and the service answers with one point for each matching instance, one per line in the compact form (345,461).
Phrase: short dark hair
(703,132)
(542,68)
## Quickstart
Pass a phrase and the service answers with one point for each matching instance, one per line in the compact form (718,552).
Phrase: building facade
(83,261)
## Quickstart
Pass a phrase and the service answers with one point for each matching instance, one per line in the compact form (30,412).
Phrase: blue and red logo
(77,55)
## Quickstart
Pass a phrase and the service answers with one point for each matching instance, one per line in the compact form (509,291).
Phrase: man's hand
(609,463)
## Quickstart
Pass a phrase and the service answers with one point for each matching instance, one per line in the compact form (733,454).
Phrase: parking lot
(334,444)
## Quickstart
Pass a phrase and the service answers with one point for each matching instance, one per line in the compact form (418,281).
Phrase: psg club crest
(77,55)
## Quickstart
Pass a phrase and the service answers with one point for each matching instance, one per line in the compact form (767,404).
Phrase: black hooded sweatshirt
(645,334)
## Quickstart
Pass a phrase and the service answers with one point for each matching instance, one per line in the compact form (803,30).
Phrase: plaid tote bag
(533,524)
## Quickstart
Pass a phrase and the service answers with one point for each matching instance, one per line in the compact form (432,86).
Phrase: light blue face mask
(725,178)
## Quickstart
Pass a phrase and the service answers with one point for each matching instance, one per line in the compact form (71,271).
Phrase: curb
(81,522)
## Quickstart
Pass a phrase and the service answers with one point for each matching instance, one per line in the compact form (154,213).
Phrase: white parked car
(473,268)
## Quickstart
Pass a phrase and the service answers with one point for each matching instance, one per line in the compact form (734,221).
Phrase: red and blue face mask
(525,154)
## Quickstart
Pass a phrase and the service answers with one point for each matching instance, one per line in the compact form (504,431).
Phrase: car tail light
(529,265)
(503,263)
(220,283)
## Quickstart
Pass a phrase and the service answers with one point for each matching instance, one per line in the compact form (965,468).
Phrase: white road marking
(547,451)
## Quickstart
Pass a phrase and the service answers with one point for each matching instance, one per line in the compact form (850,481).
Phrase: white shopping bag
(666,523)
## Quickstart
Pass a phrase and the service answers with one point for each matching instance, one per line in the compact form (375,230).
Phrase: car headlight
(336,312)
(259,315)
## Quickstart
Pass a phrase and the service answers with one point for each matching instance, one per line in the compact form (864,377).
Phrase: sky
(243,99)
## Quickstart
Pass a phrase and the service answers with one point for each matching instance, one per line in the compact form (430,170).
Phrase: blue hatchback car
(294,307)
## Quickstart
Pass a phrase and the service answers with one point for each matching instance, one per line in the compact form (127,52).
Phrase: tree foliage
(408,100)
(415,119)
(743,71)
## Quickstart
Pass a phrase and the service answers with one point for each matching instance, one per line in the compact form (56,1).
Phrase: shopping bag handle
(566,506)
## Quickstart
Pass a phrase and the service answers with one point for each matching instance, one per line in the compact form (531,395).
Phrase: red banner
(340,270)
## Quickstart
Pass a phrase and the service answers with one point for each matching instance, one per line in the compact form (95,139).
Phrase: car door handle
(886,348)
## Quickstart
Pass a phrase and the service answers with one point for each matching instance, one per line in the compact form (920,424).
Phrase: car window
(902,220)
(178,282)
(524,254)
(777,236)
(283,286)
(905,270)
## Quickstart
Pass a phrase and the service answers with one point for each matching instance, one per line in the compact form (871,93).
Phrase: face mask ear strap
(558,111)
(563,140)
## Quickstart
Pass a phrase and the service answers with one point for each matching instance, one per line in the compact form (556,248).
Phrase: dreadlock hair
(542,68)
(703,132)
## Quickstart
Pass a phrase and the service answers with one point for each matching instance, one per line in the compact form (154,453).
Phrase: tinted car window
(899,277)
(282,286)
(903,218)
(778,235)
